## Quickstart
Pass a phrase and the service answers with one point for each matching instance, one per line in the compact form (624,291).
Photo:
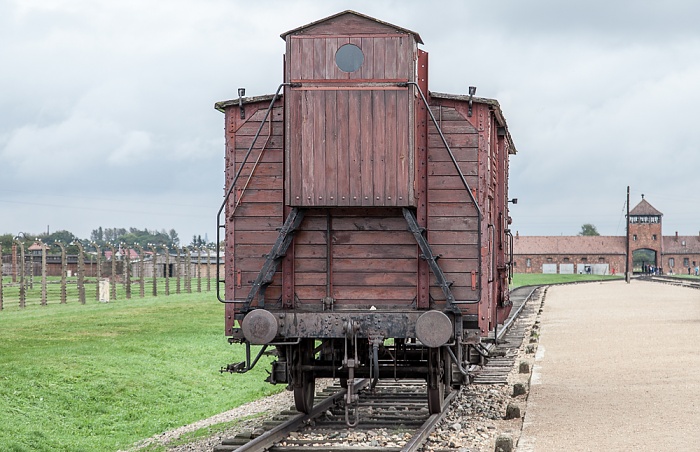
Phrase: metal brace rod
(429,256)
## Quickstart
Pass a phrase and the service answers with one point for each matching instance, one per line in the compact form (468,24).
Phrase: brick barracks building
(606,255)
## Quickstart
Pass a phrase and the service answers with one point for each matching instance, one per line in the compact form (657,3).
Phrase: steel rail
(427,428)
(277,434)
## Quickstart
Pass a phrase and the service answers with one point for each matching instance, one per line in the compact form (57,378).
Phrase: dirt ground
(617,369)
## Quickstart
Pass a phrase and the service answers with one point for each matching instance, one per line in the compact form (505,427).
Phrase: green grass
(103,376)
(534,279)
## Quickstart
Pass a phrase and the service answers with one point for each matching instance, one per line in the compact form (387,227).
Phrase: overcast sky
(107,118)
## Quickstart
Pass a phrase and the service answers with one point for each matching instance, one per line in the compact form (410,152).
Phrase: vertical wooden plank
(366,148)
(332,70)
(379,63)
(367,70)
(405,62)
(392,158)
(319,63)
(305,64)
(342,111)
(379,125)
(391,57)
(331,149)
(403,170)
(355,147)
(319,149)
(305,176)
(293,151)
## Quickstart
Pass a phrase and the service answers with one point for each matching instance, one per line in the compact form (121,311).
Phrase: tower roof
(644,208)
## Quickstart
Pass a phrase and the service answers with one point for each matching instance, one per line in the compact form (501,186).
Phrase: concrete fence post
(127,270)
(142,270)
(81,272)
(208,270)
(199,269)
(44,276)
(64,272)
(177,270)
(155,269)
(166,271)
(113,278)
(188,270)
(20,265)
(98,269)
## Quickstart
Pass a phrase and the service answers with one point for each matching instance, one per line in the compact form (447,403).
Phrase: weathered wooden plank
(306,176)
(378,238)
(378,303)
(391,58)
(450,182)
(378,58)
(320,61)
(458,265)
(404,170)
(318,191)
(355,147)
(450,196)
(460,293)
(330,193)
(456,251)
(255,237)
(268,156)
(307,237)
(392,158)
(309,278)
(258,223)
(250,128)
(305,65)
(386,294)
(367,69)
(452,238)
(383,279)
(451,127)
(448,168)
(276,115)
(438,153)
(436,223)
(256,196)
(341,113)
(362,223)
(310,265)
(313,251)
(258,210)
(379,152)
(451,209)
(367,166)
(375,251)
(260,182)
(361,265)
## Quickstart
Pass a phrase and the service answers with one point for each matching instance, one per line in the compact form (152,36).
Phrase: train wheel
(440,362)
(304,393)
(305,387)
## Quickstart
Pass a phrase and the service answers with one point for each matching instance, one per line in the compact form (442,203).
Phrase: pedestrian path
(617,369)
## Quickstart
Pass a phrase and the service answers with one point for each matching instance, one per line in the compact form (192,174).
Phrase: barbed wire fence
(67,278)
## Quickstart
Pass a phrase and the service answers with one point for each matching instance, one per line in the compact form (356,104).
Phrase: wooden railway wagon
(365,218)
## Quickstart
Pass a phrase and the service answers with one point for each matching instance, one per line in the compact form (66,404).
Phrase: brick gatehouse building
(649,249)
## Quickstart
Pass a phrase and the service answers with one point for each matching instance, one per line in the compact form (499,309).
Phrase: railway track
(673,280)
(393,417)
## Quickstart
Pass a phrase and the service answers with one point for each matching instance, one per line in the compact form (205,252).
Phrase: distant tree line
(103,236)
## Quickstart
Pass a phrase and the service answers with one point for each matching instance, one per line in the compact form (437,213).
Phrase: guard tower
(645,231)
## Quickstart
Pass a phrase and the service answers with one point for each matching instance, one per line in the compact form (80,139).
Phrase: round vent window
(349,58)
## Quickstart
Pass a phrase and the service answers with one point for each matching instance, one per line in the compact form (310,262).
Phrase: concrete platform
(617,369)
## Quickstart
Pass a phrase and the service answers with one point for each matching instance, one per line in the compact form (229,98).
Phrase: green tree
(588,229)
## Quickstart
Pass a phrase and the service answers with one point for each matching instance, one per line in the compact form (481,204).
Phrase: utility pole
(627,263)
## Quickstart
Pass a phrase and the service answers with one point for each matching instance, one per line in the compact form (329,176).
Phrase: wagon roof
(493,103)
(224,104)
(315,24)
(562,245)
